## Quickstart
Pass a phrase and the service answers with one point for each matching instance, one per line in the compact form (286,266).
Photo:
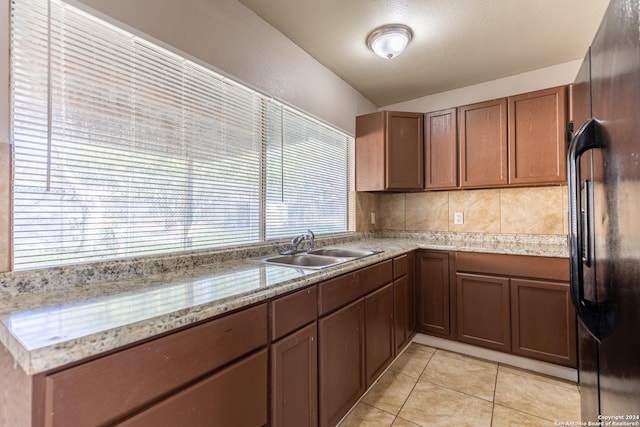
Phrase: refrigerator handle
(584,140)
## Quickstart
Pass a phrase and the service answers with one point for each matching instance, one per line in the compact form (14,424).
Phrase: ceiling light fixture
(389,40)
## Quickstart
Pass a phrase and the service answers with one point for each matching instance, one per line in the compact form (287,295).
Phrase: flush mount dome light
(389,40)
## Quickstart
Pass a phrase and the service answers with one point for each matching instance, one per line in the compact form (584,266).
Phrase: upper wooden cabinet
(537,129)
(483,144)
(514,141)
(389,151)
(441,149)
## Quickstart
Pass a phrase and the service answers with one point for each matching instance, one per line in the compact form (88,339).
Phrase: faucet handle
(312,239)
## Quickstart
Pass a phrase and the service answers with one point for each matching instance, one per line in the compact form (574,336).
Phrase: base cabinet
(379,331)
(294,379)
(433,293)
(236,396)
(483,311)
(542,321)
(341,338)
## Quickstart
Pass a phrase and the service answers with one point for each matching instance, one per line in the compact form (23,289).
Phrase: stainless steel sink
(317,258)
(342,252)
(304,260)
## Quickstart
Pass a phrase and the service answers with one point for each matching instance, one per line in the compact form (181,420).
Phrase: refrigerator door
(615,89)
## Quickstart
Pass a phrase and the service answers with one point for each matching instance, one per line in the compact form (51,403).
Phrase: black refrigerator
(604,214)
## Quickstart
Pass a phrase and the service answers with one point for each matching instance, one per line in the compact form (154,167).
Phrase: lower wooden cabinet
(543,323)
(341,349)
(294,379)
(433,293)
(236,396)
(483,311)
(379,331)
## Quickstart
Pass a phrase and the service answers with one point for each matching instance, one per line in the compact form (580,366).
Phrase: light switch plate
(373,218)
(458,218)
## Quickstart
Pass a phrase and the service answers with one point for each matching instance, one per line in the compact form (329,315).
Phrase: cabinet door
(379,329)
(441,149)
(401,319)
(405,170)
(537,137)
(294,379)
(543,321)
(433,294)
(483,144)
(236,396)
(483,311)
(341,361)
(370,152)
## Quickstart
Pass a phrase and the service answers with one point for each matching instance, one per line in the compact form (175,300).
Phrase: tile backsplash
(528,210)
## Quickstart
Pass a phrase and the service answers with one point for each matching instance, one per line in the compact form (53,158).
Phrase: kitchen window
(123,148)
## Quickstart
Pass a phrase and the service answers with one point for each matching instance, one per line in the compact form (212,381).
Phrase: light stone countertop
(53,318)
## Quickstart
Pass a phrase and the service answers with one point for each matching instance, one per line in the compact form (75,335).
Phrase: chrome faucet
(297,241)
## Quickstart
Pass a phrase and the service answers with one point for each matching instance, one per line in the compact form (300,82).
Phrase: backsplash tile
(392,211)
(365,204)
(481,210)
(427,211)
(531,210)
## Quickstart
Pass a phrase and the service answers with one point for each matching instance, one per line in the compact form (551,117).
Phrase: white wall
(236,41)
(542,78)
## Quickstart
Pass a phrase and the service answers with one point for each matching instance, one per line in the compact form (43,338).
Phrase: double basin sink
(318,258)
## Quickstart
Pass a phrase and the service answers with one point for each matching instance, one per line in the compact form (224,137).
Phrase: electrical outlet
(458,218)
(373,218)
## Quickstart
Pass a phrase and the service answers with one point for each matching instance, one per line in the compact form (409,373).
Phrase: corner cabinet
(433,293)
(389,151)
(537,137)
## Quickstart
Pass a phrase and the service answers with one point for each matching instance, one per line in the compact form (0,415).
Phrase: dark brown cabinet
(341,344)
(112,387)
(441,149)
(236,396)
(379,348)
(517,304)
(542,321)
(483,144)
(294,359)
(433,293)
(483,311)
(404,300)
(537,137)
(389,151)
(294,379)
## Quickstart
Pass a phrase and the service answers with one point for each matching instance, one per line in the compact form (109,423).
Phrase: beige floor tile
(413,360)
(365,415)
(463,374)
(390,392)
(400,422)
(476,360)
(506,417)
(433,405)
(552,380)
(537,396)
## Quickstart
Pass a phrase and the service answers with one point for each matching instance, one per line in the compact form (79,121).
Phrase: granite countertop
(63,315)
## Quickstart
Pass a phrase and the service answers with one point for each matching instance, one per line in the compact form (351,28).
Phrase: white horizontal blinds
(139,151)
(307,178)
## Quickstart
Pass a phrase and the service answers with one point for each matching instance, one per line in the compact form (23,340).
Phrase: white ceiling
(456,43)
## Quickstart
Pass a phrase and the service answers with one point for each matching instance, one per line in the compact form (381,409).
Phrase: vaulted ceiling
(456,43)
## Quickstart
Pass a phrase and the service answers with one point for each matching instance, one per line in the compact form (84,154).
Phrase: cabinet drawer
(103,390)
(236,396)
(342,290)
(547,268)
(400,266)
(293,311)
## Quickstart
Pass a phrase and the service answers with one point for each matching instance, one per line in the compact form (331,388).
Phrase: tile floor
(432,387)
